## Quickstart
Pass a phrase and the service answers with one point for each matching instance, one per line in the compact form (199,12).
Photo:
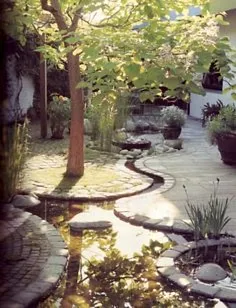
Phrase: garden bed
(179,265)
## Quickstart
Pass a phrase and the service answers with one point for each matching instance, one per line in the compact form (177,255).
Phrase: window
(213,79)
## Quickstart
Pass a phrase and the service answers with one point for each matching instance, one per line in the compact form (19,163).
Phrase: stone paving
(196,166)
(33,255)
(33,259)
(126,182)
(48,154)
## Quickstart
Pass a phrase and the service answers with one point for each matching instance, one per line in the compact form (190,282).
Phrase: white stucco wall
(26,94)
(198,101)
(20,91)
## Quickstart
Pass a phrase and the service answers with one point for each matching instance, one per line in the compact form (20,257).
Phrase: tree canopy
(114,55)
(124,45)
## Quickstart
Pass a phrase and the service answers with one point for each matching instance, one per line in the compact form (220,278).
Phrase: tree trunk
(75,163)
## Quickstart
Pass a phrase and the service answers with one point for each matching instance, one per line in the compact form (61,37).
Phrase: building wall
(20,92)
(26,94)
(197,101)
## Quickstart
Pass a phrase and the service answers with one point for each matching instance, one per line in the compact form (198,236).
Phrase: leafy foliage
(173,116)
(160,52)
(59,109)
(208,220)
(233,271)
(12,158)
(59,112)
(224,122)
(114,57)
(209,111)
(107,114)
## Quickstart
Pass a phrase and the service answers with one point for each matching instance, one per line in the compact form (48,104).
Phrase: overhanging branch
(105,22)
(55,10)
(75,20)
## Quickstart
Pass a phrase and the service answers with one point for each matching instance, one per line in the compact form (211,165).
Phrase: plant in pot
(59,112)
(222,131)
(174,118)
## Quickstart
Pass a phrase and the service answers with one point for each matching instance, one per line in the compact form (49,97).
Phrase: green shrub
(13,157)
(59,110)
(173,116)
(107,114)
(224,122)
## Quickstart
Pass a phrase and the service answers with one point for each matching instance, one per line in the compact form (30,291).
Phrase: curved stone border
(169,180)
(85,195)
(52,270)
(167,225)
(166,267)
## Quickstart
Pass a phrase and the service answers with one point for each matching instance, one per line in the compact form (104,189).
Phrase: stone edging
(169,180)
(52,271)
(175,225)
(166,267)
(166,225)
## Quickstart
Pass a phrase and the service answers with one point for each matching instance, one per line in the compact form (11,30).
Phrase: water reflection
(104,272)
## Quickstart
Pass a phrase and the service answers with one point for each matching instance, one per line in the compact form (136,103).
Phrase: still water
(110,268)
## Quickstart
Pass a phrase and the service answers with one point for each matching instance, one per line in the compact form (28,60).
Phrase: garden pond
(114,267)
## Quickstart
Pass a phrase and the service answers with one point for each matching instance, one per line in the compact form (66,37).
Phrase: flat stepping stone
(24,201)
(90,220)
(211,272)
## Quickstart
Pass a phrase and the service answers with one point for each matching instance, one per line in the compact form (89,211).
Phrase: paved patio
(33,259)
(33,270)
(196,166)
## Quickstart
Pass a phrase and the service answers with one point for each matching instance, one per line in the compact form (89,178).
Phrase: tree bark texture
(75,163)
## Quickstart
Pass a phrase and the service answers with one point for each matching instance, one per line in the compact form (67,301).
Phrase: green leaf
(233,95)
(172,82)
(194,88)
(145,95)
(154,74)
(221,20)
(139,83)
(72,40)
(83,84)
(132,70)
(148,11)
(227,90)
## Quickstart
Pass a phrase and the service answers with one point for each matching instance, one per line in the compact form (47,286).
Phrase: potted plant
(59,112)
(222,131)
(174,118)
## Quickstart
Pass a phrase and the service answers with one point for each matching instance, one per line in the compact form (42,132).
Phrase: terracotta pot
(171,132)
(227,147)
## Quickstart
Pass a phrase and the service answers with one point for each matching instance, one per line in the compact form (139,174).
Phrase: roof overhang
(217,6)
